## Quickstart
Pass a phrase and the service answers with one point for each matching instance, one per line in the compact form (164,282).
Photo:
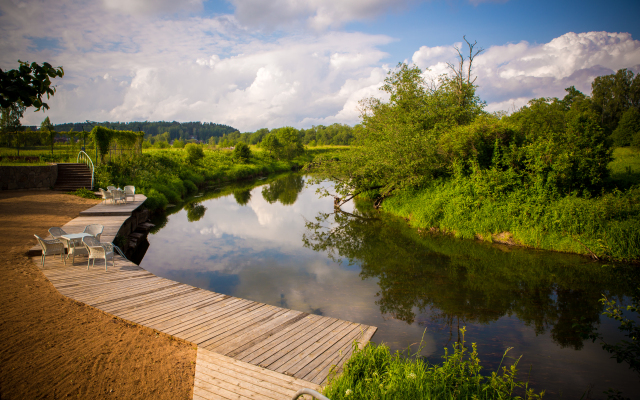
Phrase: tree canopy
(28,84)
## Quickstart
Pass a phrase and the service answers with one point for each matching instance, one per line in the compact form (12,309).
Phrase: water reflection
(360,265)
(463,282)
(285,190)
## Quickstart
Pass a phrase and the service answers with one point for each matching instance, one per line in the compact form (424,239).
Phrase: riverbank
(605,226)
(54,347)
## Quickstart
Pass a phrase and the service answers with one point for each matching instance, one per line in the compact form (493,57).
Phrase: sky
(255,64)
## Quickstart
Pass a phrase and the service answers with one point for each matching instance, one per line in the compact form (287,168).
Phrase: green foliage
(241,152)
(628,128)
(285,190)
(375,373)
(46,127)
(283,143)
(105,137)
(195,211)
(28,84)
(178,144)
(161,144)
(194,153)
(612,95)
(190,186)
(155,200)
(84,193)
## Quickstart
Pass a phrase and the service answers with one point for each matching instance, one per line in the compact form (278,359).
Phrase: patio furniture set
(85,243)
(115,194)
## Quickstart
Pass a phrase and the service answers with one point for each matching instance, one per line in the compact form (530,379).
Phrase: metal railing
(309,391)
(84,158)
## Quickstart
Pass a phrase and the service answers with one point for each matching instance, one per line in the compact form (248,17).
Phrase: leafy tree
(614,94)
(28,84)
(271,144)
(178,144)
(285,190)
(283,143)
(47,128)
(10,124)
(397,145)
(194,153)
(628,127)
(241,152)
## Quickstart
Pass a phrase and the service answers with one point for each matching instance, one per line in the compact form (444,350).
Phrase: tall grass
(374,373)
(483,207)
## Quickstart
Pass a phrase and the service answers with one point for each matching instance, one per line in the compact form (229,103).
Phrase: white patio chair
(110,188)
(119,195)
(98,250)
(51,247)
(130,191)
(106,195)
(95,230)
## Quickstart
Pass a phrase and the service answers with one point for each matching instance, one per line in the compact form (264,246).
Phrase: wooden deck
(119,209)
(289,342)
(246,349)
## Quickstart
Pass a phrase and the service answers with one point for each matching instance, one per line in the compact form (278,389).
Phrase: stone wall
(24,177)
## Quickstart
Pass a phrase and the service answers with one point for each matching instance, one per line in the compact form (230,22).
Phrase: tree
(628,127)
(241,152)
(28,84)
(397,145)
(47,128)
(10,123)
(614,94)
(283,143)
(194,153)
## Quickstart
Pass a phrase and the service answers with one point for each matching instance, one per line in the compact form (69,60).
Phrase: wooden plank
(324,338)
(222,371)
(205,332)
(179,312)
(295,329)
(323,355)
(191,320)
(262,333)
(259,333)
(285,381)
(275,353)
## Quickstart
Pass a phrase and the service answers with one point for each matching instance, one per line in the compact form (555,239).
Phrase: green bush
(85,193)
(161,144)
(375,373)
(194,153)
(178,144)
(241,152)
(190,186)
(171,195)
(155,200)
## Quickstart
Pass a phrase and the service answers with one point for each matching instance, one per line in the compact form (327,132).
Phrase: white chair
(106,195)
(119,195)
(98,250)
(110,188)
(94,230)
(129,191)
(51,247)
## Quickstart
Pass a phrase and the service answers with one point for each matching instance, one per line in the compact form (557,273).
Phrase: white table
(72,238)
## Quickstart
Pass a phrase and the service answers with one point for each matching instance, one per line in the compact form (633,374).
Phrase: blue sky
(253,64)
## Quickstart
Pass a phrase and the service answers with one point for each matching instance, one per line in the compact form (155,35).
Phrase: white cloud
(152,7)
(315,14)
(512,74)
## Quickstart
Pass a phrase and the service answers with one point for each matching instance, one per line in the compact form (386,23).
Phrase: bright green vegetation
(375,373)
(170,175)
(540,177)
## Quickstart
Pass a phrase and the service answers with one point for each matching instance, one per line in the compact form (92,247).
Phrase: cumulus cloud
(510,75)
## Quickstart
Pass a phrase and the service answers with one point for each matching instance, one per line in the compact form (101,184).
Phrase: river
(276,241)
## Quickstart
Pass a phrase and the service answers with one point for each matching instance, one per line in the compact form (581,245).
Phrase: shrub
(170,194)
(241,152)
(161,144)
(178,144)
(155,200)
(190,186)
(194,153)
(85,193)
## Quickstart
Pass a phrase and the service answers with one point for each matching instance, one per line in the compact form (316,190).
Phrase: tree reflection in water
(285,189)
(461,282)
(195,211)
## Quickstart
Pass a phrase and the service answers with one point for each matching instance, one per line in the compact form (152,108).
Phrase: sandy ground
(53,347)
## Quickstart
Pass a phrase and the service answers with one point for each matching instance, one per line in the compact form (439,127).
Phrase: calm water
(275,241)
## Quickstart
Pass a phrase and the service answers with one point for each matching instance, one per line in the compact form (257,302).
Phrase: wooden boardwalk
(246,349)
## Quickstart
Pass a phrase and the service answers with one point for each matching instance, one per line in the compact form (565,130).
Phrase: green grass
(607,225)
(625,167)
(374,373)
